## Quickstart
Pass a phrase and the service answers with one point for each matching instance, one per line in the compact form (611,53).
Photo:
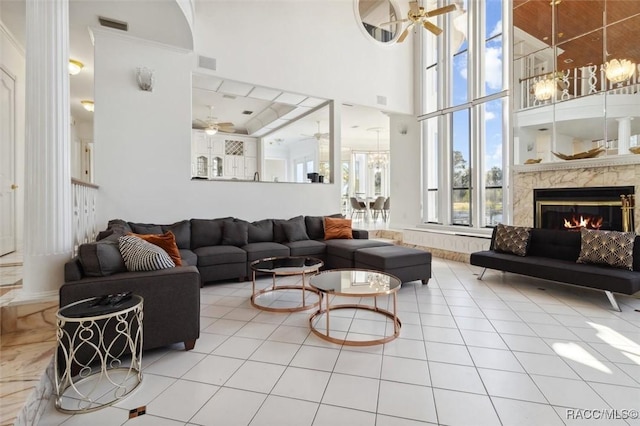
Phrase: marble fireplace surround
(525,181)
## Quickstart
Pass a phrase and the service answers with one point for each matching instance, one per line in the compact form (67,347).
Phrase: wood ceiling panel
(622,39)
(577,17)
(621,9)
(581,51)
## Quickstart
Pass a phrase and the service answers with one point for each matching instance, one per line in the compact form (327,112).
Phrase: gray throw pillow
(235,233)
(315,226)
(512,239)
(182,231)
(101,259)
(261,231)
(295,231)
(207,232)
(279,235)
(611,248)
(146,228)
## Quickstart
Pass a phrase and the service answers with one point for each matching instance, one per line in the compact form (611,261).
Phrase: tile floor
(508,350)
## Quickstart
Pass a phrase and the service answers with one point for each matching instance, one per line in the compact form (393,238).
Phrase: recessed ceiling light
(568,61)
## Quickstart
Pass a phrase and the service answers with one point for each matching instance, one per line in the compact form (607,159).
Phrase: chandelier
(378,160)
(619,70)
(544,89)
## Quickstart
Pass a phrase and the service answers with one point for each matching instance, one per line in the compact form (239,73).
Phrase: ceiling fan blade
(413,6)
(431,27)
(404,34)
(394,22)
(225,124)
(440,11)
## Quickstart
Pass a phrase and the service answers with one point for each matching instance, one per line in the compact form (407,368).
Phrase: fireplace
(606,208)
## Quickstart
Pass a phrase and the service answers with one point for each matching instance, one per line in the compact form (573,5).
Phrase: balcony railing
(84,212)
(575,83)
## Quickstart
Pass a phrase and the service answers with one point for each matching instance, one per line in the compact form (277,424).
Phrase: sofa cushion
(390,257)
(315,225)
(554,244)
(166,242)
(347,248)
(140,255)
(261,231)
(307,248)
(295,230)
(607,247)
(114,226)
(512,239)
(337,229)
(235,233)
(219,255)
(181,230)
(257,251)
(101,259)
(207,232)
(188,257)
(279,235)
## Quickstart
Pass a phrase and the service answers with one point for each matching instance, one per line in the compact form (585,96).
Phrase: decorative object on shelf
(378,160)
(619,70)
(146,78)
(635,149)
(88,105)
(592,153)
(75,66)
(533,161)
(544,89)
(418,15)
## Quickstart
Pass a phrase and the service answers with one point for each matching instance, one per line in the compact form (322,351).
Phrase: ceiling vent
(112,23)
(206,62)
(381,100)
(228,96)
(247,112)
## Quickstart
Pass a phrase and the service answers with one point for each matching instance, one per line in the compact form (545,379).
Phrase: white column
(48,210)
(624,135)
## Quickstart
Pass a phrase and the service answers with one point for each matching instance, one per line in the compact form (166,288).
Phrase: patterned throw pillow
(611,248)
(140,255)
(512,239)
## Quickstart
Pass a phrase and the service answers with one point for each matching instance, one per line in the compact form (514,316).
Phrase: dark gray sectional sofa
(552,255)
(211,250)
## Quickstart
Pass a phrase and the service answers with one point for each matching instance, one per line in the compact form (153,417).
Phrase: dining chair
(385,209)
(357,207)
(377,207)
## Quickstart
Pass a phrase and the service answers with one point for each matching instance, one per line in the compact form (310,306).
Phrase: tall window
(464,116)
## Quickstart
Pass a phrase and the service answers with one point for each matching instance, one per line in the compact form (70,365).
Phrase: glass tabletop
(97,306)
(355,282)
(287,265)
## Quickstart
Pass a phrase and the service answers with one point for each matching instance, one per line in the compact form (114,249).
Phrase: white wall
(142,147)
(405,168)
(313,47)
(12,59)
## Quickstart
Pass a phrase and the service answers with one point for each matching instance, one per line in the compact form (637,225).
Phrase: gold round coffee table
(355,283)
(282,266)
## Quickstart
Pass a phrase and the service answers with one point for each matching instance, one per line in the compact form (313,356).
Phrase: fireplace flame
(593,222)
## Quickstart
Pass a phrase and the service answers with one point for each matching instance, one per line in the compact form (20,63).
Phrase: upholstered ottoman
(405,263)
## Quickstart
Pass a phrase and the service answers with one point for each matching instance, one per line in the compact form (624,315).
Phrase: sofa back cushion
(102,258)
(181,230)
(235,233)
(315,225)
(295,230)
(554,244)
(279,235)
(261,231)
(207,232)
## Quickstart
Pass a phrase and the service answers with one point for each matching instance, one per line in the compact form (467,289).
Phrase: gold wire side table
(93,338)
(355,283)
(282,266)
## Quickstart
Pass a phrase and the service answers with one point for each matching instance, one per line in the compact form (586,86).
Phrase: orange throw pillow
(166,241)
(335,228)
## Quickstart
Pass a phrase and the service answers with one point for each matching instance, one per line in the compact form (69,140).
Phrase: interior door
(7,164)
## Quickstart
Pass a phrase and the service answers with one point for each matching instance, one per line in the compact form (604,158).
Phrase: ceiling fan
(318,135)
(417,15)
(210,126)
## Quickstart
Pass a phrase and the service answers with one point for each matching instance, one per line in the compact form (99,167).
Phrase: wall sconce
(145,79)
(619,70)
(403,128)
(75,66)
(88,105)
(544,89)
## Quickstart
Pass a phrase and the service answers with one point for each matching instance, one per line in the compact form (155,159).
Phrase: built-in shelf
(586,163)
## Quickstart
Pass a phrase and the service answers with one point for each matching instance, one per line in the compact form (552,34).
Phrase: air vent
(247,112)
(381,100)
(228,96)
(208,63)
(112,23)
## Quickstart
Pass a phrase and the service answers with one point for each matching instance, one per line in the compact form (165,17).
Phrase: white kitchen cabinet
(250,167)
(234,166)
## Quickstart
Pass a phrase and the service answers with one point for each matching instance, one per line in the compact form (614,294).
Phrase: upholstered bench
(406,263)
